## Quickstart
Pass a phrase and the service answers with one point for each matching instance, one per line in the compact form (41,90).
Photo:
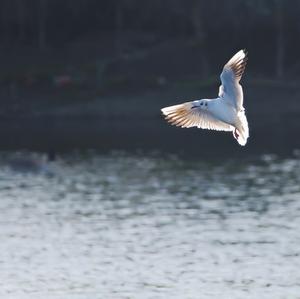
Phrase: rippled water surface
(135,226)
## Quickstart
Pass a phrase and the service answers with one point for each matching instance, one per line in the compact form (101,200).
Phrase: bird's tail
(242,128)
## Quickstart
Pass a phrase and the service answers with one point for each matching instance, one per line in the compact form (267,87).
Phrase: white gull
(224,113)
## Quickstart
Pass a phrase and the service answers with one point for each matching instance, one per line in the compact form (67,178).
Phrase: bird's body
(224,113)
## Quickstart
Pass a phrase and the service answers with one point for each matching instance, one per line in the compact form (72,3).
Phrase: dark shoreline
(134,122)
(81,133)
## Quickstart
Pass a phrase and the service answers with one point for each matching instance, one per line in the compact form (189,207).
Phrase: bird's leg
(236,134)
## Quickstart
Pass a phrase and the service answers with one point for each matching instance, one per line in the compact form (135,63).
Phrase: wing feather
(186,116)
(231,75)
(235,67)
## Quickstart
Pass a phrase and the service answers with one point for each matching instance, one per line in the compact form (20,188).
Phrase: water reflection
(136,226)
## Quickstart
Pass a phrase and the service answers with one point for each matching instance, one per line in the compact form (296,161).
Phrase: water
(135,226)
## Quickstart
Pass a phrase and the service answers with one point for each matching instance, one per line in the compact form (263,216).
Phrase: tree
(280,40)
(197,19)
(42,19)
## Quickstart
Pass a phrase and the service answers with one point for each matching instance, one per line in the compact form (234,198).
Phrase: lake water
(145,226)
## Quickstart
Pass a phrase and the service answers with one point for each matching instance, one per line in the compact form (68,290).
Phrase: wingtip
(178,115)
(245,52)
(166,110)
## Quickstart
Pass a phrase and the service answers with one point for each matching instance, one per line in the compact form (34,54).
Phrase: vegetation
(143,43)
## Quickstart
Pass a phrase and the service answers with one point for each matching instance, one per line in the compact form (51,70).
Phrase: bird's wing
(231,76)
(221,91)
(187,115)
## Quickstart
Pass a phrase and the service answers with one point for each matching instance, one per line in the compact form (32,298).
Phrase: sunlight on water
(134,226)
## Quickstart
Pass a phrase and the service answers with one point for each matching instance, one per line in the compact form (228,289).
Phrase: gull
(224,113)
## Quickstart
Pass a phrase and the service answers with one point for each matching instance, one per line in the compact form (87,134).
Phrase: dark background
(94,74)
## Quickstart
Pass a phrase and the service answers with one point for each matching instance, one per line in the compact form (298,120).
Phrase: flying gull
(224,113)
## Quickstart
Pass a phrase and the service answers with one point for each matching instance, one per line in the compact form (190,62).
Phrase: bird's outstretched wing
(186,115)
(230,78)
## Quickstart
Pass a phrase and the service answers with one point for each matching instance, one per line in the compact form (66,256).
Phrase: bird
(224,113)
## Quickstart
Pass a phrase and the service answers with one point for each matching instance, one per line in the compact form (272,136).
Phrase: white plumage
(224,113)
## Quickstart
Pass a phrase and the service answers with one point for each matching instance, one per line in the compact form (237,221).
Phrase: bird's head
(203,104)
